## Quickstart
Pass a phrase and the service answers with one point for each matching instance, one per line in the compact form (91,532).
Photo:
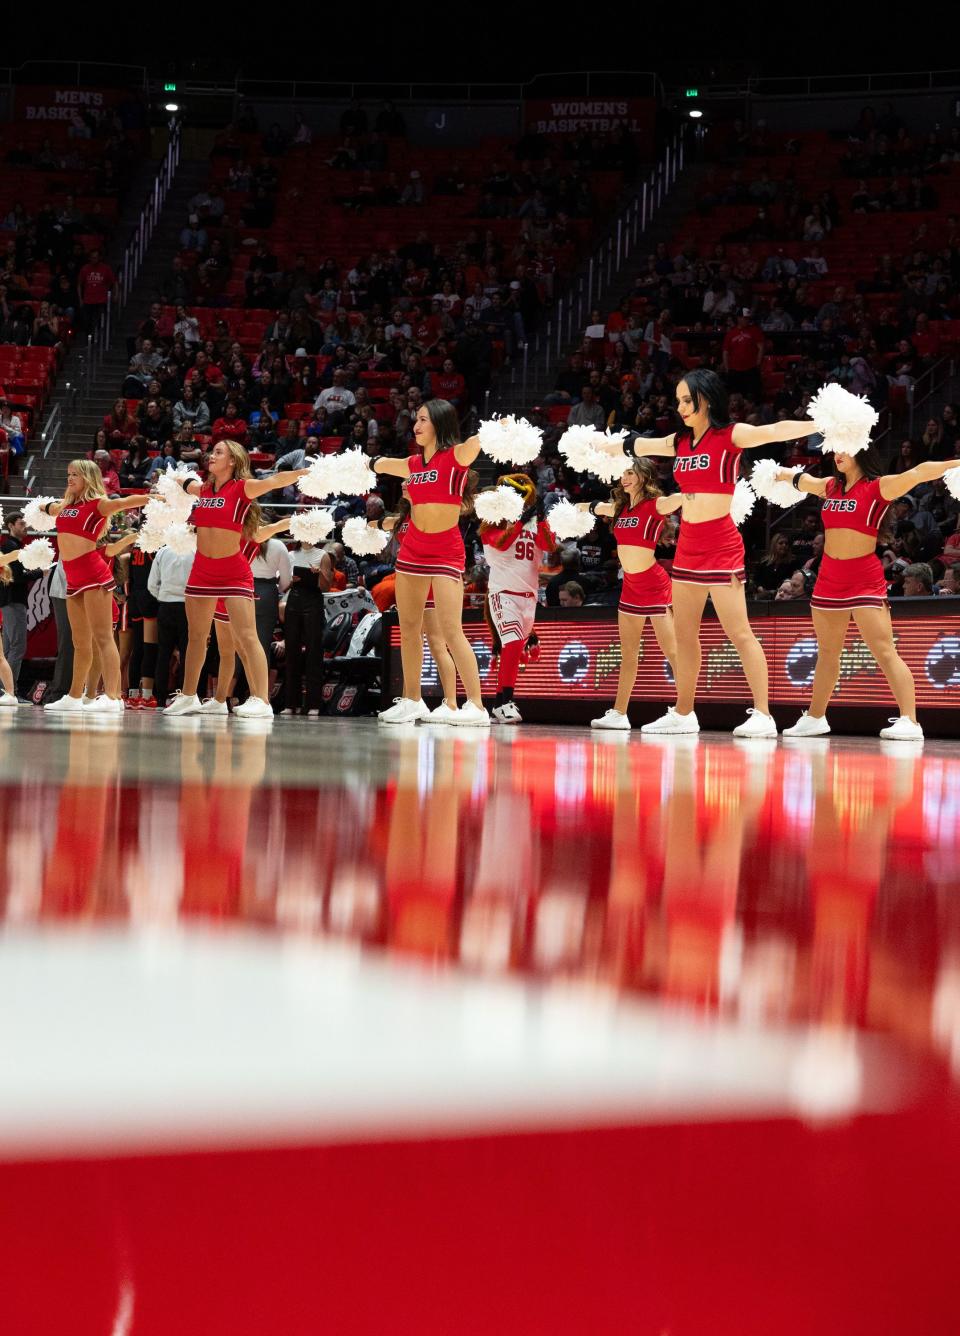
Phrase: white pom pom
(763,480)
(566,521)
(578,445)
(149,539)
(312,526)
(362,538)
(952,479)
(316,481)
(36,518)
(510,440)
(744,499)
(609,463)
(181,538)
(350,474)
(844,420)
(38,555)
(499,505)
(171,491)
(590,451)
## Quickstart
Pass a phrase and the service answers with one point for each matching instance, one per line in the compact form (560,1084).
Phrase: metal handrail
(601,270)
(101,337)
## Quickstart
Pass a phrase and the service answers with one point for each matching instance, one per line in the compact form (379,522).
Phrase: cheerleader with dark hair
(709,561)
(851,581)
(399,526)
(433,559)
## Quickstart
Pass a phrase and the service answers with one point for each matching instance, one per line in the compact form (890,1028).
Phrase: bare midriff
(71,546)
(218,543)
(701,507)
(635,560)
(434,516)
(847,544)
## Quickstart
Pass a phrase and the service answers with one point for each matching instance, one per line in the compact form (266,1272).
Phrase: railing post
(643,224)
(590,282)
(106,335)
(619,240)
(526,349)
(559,327)
(549,336)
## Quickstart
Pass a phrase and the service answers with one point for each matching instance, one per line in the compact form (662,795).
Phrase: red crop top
(83,519)
(250,548)
(639,526)
(225,509)
(861,509)
(713,465)
(443,479)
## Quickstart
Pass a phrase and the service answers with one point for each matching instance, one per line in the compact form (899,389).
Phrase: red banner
(580,659)
(50,102)
(593,115)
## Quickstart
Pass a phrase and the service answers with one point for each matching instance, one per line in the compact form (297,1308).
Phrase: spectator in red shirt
(448,384)
(206,369)
(230,427)
(95,281)
(111,478)
(118,424)
(742,355)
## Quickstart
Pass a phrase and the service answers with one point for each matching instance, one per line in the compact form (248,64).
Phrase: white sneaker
(808,726)
(313,714)
(470,716)
(288,713)
(253,708)
(443,714)
(902,729)
(506,714)
(612,719)
(404,711)
(213,706)
(8,702)
(65,705)
(672,722)
(756,725)
(104,704)
(182,704)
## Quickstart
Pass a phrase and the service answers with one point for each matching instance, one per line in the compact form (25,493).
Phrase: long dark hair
(704,384)
(446,423)
(649,485)
(868,461)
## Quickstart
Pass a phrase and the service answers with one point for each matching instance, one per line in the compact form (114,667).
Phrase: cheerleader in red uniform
(226,647)
(81,517)
(225,510)
(851,581)
(446,711)
(433,556)
(639,509)
(513,555)
(710,558)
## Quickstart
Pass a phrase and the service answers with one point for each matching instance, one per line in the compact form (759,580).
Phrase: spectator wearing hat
(742,354)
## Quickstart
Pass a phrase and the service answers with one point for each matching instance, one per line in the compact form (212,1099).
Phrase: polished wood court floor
(325,1027)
